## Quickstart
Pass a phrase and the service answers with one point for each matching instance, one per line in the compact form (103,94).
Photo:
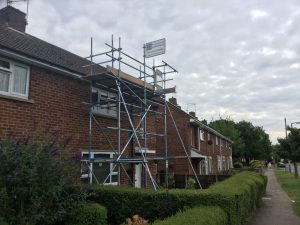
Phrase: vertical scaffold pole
(165,131)
(119,111)
(90,119)
(144,111)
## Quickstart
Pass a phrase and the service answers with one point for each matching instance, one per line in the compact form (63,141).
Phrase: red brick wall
(56,104)
(187,132)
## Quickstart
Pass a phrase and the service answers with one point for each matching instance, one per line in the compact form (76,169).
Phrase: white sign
(155,48)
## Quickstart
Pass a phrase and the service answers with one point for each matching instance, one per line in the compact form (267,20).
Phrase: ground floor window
(209,165)
(96,168)
(224,163)
(219,164)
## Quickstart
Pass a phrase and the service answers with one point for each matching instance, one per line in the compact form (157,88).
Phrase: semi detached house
(122,137)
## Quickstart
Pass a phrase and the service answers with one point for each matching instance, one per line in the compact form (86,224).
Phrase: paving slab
(276,208)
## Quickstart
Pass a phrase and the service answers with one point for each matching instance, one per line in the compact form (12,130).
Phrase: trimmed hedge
(237,196)
(197,216)
(90,214)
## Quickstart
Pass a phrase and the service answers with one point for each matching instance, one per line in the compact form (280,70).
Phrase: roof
(36,48)
(194,120)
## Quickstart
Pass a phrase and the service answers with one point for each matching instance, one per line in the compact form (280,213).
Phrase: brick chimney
(173,101)
(14,18)
(193,114)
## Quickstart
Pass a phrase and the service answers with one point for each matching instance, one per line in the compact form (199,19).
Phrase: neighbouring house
(210,152)
(44,88)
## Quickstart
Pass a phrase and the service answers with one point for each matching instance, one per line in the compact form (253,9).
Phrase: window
(14,79)
(219,164)
(223,163)
(202,135)
(221,142)
(208,136)
(217,140)
(105,102)
(210,164)
(99,170)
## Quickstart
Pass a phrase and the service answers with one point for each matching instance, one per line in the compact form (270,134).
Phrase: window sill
(104,115)
(14,98)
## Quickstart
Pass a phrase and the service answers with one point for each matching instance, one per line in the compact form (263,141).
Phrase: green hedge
(237,196)
(197,216)
(90,214)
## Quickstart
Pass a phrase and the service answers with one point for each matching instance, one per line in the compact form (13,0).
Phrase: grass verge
(291,186)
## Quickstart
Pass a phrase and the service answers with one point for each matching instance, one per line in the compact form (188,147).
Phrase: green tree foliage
(290,147)
(250,142)
(256,140)
(33,182)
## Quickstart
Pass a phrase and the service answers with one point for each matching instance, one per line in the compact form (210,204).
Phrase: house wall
(175,148)
(56,105)
(190,135)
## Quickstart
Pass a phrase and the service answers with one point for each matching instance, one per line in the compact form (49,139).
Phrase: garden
(37,187)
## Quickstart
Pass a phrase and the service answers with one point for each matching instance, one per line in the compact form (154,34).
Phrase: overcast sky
(235,58)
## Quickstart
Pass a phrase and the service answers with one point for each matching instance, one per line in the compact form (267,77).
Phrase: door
(138,176)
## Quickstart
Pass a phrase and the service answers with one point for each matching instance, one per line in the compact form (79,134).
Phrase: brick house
(209,150)
(46,87)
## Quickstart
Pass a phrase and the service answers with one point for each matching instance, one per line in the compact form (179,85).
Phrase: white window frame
(217,140)
(90,175)
(224,163)
(11,72)
(105,110)
(210,164)
(201,134)
(219,163)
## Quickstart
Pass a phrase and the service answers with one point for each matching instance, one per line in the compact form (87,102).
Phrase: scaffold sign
(155,48)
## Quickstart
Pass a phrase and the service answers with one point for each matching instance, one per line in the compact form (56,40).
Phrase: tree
(257,142)
(250,142)
(290,147)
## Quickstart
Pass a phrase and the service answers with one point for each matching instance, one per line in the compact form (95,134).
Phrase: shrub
(197,216)
(33,186)
(90,214)
(237,196)
(191,183)
(238,164)
(256,164)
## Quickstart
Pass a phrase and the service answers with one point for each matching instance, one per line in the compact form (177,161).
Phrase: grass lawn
(291,186)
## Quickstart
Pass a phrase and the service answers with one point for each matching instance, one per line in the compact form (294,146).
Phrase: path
(276,208)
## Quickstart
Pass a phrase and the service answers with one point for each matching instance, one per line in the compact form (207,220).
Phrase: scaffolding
(137,98)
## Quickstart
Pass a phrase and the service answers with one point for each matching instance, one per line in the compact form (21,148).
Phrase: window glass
(202,135)
(106,100)
(4,64)
(20,80)
(4,81)
(101,171)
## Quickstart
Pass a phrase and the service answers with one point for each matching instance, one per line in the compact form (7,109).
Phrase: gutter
(41,64)
(194,120)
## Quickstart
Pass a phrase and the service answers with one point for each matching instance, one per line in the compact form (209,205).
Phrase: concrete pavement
(276,208)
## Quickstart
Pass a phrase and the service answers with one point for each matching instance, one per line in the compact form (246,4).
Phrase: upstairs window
(104,102)
(202,135)
(217,140)
(14,79)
